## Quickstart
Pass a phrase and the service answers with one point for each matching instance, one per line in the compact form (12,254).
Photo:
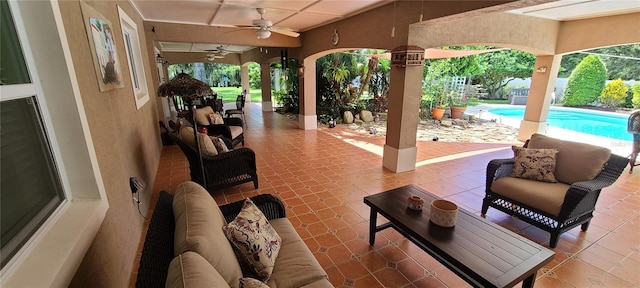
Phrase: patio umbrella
(189,89)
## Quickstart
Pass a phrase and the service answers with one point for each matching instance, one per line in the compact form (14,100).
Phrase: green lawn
(229,94)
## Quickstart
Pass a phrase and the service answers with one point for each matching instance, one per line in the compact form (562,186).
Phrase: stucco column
(402,119)
(244,79)
(308,120)
(543,82)
(265,85)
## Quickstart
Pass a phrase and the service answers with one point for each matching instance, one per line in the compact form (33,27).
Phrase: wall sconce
(159,59)
(541,69)
(301,71)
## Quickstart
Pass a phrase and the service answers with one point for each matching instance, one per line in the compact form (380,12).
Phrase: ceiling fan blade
(284,31)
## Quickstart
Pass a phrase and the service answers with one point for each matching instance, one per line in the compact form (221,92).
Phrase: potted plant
(440,105)
(458,105)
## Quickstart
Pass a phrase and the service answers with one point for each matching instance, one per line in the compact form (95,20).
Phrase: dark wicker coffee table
(480,252)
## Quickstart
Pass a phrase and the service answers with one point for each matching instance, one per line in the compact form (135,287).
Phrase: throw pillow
(247,282)
(534,164)
(221,147)
(202,115)
(216,118)
(255,239)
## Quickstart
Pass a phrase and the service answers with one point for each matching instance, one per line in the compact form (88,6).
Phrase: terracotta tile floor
(322,175)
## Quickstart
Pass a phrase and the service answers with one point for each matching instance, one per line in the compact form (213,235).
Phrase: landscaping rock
(458,122)
(358,121)
(347,117)
(446,123)
(366,116)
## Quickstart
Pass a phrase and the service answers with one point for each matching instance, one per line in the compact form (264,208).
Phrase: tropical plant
(636,95)
(586,82)
(614,94)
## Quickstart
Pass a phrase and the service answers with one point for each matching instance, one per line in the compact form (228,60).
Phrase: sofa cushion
(547,197)
(191,270)
(235,131)
(252,235)
(294,257)
(575,161)
(534,164)
(206,145)
(252,283)
(199,223)
(202,115)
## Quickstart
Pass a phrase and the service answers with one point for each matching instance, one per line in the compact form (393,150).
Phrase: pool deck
(619,147)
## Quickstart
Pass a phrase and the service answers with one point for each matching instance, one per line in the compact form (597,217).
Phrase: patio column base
(267,106)
(528,128)
(399,160)
(308,122)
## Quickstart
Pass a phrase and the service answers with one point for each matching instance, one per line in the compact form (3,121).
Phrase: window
(40,96)
(30,188)
(134,57)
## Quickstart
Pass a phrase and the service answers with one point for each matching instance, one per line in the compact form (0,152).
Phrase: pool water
(583,121)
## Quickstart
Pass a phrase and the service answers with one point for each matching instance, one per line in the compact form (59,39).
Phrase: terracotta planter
(457,112)
(437,113)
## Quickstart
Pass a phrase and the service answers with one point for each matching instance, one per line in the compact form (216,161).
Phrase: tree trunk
(364,82)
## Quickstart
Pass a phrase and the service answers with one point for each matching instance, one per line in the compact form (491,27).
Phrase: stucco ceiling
(303,15)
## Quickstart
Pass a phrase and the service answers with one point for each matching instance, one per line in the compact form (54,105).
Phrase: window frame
(131,40)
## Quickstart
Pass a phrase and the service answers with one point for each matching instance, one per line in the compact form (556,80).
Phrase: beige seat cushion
(199,224)
(202,115)
(190,270)
(294,257)
(235,131)
(206,144)
(547,197)
(575,161)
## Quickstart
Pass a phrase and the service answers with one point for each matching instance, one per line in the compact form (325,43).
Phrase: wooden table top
(474,247)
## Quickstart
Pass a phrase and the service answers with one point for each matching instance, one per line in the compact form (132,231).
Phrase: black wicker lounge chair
(579,200)
(223,170)
(633,126)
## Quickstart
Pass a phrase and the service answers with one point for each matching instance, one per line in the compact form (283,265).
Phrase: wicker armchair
(576,209)
(223,170)
(157,251)
(231,129)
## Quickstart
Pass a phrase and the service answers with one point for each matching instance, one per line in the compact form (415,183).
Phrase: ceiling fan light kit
(263,33)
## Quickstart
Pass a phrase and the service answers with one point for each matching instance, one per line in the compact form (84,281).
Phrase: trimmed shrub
(636,95)
(586,82)
(613,95)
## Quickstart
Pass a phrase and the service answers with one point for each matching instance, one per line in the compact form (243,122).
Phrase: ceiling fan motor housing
(262,23)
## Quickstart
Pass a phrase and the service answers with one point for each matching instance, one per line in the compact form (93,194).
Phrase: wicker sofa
(582,170)
(189,249)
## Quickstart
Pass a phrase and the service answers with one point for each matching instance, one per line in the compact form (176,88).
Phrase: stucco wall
(127,143)
(598,32)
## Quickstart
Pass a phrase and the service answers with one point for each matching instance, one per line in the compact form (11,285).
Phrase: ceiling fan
(265,27)
(216,53)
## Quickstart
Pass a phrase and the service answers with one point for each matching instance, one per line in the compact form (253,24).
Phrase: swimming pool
(584,121)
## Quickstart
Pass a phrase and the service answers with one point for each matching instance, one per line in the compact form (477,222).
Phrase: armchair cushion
(216,118)
(236,131)
(202,115)
(207,147)
(191,270)
(547,197)
(198,224)
(256,240)
(534,164)
(575,161)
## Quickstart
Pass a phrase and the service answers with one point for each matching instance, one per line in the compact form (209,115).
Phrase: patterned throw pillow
(254,237)
(221,147)
(534,164)
(215,118)
(247,282)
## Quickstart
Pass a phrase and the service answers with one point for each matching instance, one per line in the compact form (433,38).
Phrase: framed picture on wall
(100,33)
